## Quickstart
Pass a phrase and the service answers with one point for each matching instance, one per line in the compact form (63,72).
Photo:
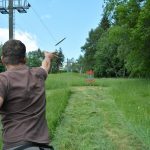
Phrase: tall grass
(133,99)
(56,103)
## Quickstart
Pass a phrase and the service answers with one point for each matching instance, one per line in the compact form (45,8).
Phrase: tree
(75,65)
(105,23)
(139,57)
(57,62)
(109,61)
(80,62)
(34,58)
(126,14)
(110,7)
(89,48)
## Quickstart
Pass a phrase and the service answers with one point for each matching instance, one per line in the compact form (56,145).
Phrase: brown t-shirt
(23,110)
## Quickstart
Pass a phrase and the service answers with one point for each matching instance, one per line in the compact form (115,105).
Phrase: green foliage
(111,5)
(122,47)
(34,58)
(127,13)
(57,62)
(73,65)
(89,48)
(80,62)
(139,57)
(105,23)
(109,61)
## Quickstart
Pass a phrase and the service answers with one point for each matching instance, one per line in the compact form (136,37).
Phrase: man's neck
(8,67)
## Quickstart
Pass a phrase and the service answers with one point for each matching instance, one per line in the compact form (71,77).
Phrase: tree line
(120,45)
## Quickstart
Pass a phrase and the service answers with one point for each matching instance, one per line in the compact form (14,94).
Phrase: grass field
(111,114)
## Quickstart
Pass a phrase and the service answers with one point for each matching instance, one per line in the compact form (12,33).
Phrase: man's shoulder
(39,71)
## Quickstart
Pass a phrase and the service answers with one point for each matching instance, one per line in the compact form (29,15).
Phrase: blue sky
(72,19)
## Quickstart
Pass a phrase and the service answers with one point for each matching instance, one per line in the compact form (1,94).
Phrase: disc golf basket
(90,77)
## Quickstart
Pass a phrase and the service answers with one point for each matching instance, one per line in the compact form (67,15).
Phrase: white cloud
(29,40)
(3,35)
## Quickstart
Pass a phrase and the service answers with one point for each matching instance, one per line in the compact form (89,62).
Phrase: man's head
(13,53)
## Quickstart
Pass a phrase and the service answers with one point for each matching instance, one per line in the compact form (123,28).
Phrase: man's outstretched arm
(46,63)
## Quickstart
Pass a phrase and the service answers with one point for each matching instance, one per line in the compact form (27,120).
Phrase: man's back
(23,110)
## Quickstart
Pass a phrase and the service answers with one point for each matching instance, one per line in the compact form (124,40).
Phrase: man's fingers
(51,54)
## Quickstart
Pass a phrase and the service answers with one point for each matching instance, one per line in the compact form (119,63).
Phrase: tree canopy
(120,45)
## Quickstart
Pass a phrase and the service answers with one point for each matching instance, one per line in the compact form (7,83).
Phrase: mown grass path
(92,121)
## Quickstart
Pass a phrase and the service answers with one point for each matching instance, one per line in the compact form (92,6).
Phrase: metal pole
(10,19)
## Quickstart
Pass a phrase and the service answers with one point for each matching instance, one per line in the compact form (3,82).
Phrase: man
(22,100)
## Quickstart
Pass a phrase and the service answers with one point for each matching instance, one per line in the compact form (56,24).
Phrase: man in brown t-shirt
(22,100)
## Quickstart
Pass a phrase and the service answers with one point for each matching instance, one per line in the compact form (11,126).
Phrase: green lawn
(110,114)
